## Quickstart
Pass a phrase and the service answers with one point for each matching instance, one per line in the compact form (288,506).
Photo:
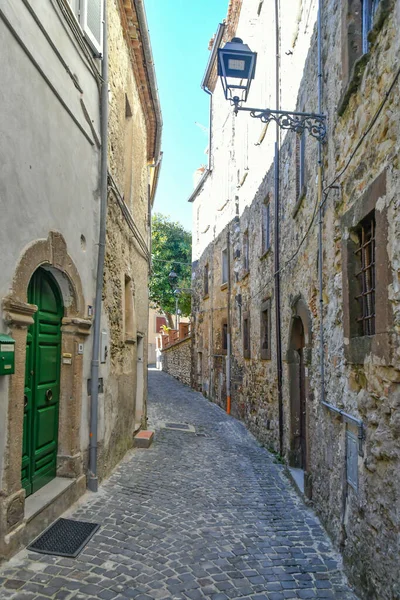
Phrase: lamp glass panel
(236,64)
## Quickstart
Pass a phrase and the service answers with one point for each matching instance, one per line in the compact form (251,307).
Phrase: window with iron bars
(224,337)
(365,257)
(246,256)
(246,335)
(265,330)
(206,275)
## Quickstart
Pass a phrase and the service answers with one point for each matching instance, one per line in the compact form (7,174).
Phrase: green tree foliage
(171,251)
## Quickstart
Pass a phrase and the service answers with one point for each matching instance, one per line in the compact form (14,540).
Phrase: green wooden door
(42,383)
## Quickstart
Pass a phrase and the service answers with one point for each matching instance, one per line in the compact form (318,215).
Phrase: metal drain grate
(64,538)
(183,427)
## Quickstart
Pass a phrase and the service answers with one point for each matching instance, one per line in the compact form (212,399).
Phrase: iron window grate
(366,275)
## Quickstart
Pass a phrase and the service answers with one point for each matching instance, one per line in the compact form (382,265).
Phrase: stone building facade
(134,157)
(177,360)
(324,309)
(50,190)
(176,354)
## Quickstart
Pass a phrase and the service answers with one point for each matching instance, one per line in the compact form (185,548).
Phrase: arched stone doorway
(51,257)
(298,405)
(42,383)
(298,359)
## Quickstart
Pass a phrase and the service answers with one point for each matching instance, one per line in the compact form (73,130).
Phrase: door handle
(25,400)
(49,395)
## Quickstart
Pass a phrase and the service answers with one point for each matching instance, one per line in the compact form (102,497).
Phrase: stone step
(143,439)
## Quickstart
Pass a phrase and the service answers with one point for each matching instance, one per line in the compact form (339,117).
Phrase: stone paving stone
(190,518)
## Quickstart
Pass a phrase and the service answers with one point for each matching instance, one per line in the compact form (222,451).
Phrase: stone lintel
(18,313)
(76,326)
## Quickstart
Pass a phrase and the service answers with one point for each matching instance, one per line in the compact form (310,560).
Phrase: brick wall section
(177,360)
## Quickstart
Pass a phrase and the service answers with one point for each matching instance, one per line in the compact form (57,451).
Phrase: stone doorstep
(297,477)
(41,499)
(143,439)
(41,509)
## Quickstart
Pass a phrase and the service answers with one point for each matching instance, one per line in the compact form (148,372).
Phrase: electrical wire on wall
(364,135)
(173,262)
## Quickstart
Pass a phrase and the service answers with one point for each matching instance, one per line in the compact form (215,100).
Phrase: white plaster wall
(48,169)
(236,146)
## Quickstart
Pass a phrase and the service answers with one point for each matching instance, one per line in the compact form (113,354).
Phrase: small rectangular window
(246,253)
(358,20)
(365,274)
(266,224)
(224,270)
(300,165)
(128,154)
(91,20)
(206,278)
(160,321)
(266,330)
(224,337)
(246,335)
(129,311)
(369,8)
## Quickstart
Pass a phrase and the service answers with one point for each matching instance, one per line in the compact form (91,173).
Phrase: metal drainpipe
(211,364)
(211,350)
(210,128)
(320,221)
(276,237)
(94,387)
(228,334)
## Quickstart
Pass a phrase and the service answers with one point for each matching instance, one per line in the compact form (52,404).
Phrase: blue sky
(180,31)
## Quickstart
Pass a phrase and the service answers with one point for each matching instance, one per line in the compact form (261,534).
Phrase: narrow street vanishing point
(204,513)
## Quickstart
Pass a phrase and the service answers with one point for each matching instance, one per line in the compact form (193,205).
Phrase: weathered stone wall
(123,409)
(362,376)
(177,360)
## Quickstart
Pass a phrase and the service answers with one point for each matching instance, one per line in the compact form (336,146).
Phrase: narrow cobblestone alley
(201,514)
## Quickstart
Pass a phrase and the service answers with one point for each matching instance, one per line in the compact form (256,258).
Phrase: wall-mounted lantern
(236,67)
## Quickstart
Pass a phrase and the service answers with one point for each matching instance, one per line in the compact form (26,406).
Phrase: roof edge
(199,185)
(151,74)
(213,54)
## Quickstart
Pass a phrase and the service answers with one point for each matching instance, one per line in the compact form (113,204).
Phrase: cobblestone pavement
(204,514)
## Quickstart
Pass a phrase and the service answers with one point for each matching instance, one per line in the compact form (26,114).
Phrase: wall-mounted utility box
(7,355)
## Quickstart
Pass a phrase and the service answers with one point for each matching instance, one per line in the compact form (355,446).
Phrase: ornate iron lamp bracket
(298,122)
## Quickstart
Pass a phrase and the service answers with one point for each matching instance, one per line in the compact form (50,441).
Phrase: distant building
(156,322)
